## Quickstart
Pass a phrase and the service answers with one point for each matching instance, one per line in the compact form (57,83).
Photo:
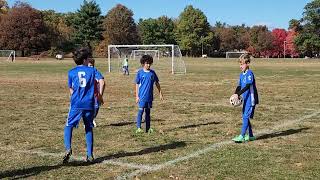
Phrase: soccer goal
(140,52)
(8,55)
(169,57)
(235,54)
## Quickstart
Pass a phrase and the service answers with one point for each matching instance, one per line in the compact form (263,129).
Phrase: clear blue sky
(273,13)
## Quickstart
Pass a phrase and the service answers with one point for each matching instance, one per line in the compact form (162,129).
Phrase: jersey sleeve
(97,74)
(156,79)
(137,80)
(250,78)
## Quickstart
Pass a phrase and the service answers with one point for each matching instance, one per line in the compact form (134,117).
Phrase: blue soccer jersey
(145,80)
(81,79)
(250,96)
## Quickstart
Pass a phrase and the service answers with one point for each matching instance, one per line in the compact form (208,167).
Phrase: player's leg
(96,110)
(246,119)
(251,137)
(88,122)
(72,121)
(147,118)
(139,119)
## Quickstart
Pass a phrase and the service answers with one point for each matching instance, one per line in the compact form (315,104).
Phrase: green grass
(34,104)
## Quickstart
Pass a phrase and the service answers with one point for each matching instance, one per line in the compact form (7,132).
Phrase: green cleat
(248,138)
(151,131)
(139,130)
(238,139)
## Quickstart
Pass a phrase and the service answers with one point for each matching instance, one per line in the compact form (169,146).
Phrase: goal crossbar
(139,46)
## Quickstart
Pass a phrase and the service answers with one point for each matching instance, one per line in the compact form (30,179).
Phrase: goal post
(8,55)
(166,53)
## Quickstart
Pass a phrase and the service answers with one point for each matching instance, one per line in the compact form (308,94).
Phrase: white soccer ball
(235,100)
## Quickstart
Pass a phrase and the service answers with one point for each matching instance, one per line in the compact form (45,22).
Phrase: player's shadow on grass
(32,171)
(193,125)
(281,133)
(160,148)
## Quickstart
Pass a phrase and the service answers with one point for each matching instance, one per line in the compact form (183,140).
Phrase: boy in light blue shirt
(145,79)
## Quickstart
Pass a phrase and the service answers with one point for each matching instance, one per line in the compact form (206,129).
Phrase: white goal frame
(144,46)
(234,52)
(157,53)
(12,53)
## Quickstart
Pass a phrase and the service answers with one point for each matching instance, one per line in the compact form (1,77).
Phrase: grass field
(194,124)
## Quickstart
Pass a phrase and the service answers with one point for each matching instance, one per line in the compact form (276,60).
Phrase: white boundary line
(211,148)
(142,169)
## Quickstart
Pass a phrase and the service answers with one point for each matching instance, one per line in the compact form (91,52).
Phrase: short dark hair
(146,59)
(80,55)
(92,61)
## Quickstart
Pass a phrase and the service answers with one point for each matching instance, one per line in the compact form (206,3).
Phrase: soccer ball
(234,101)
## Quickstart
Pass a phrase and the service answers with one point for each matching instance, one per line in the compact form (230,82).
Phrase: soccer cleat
(238,139)
(90,159)
(94,123)
(139,130)
(150,130)
(248,138)
(67,156)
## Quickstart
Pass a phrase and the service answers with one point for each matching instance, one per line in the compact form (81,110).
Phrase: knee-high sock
(147,118)
(245,124)
(139,117)
(89,140)
(67,137)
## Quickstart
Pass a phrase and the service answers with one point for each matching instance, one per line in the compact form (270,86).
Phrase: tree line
(32,31)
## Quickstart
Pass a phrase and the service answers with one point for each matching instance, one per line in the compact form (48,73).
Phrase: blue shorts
(248,112)
(75,116)
(145,104)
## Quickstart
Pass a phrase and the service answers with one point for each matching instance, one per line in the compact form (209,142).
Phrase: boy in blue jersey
(247,88)
(81,85)
(96,94)
(145,79)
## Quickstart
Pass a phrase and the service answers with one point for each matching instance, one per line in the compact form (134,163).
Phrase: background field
(195,115)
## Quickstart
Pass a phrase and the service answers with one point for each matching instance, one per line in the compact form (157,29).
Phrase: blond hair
(245,58)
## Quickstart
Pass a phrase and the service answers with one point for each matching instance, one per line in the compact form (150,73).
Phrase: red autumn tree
(23,28)
(279,38)
(291,48)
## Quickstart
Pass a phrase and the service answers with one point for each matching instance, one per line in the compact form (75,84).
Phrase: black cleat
(67,156)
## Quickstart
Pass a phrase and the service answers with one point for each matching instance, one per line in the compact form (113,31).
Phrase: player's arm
(71,91)
(137,93)
(102,86)
(237,89)
(243,89)
(159,89)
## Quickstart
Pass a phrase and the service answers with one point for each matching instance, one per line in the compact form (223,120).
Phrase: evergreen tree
(87,23)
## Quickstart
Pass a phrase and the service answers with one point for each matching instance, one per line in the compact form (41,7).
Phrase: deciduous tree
(23,28)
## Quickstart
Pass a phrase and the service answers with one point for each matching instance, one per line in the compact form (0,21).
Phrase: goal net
(8,55)
(137,54)
(167,58)
(236,54)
